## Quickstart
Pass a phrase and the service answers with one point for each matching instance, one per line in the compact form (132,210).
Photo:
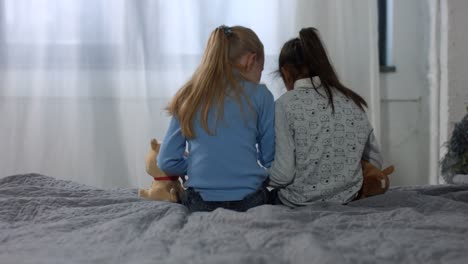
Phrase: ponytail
(214,78)
(310,55)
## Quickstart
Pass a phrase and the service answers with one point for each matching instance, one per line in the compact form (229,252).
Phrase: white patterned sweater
(318,153)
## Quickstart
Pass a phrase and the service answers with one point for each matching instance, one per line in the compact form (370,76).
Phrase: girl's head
(305,57)
(237,48)
(231,54)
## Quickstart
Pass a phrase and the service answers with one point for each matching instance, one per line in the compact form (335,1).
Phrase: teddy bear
(163,188)
(375,181)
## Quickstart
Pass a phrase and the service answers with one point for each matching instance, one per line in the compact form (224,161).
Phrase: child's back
(328,146)
(224,167)
(221,114)
(322,131)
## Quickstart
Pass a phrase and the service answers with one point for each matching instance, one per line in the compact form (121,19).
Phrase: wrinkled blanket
(45,220)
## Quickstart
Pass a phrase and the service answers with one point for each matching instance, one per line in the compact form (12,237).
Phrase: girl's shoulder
(254,87)
(347,104)
(257,91)
(288,97)
(295,98)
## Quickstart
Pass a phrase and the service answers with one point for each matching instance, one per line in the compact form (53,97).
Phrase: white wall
(405,96)
(456,90)
(452,88)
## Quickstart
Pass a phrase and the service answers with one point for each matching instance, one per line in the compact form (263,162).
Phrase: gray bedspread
(45,220)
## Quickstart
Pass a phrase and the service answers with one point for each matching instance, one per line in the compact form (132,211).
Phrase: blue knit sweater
(225,166)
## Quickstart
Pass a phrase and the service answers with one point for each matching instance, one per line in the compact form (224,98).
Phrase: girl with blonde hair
(225,119)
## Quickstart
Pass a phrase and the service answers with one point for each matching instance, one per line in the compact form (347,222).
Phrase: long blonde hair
(215,78)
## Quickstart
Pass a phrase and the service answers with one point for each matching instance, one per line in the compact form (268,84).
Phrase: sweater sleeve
(171,157)
(283,169)
(265,125)
(372,151)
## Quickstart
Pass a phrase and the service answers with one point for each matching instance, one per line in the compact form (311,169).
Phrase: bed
(45,220)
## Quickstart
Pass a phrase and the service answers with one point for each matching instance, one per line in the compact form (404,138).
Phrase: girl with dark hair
(322,131)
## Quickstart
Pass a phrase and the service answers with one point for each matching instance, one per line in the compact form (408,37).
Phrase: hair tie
(227,30)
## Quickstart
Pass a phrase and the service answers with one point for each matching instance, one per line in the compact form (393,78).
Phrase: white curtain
(83,83)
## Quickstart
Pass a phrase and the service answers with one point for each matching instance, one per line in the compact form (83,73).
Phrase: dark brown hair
(307,53)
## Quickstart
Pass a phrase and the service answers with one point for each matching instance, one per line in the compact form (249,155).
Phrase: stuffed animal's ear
(368,168)
(385,183)
(365,165)
(155,145)
(389,170)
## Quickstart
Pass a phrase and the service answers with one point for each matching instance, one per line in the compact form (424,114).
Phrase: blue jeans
(195,203)
(274,199)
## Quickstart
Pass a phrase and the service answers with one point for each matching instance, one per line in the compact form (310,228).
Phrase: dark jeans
(274,199)
(195,203)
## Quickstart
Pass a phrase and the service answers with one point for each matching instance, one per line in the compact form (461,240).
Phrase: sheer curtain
(83,83)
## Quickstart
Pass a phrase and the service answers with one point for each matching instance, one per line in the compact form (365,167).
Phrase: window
(385,13)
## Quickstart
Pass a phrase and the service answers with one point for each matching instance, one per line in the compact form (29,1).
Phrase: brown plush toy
(375,181)
(163,188)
